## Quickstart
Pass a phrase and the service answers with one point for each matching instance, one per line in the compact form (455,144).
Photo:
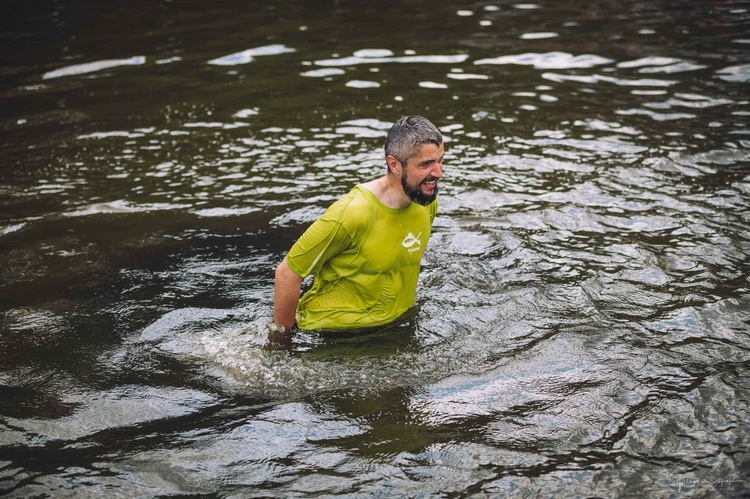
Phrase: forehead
(425,152)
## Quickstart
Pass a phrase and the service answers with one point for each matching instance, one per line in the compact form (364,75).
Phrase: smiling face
(420,174)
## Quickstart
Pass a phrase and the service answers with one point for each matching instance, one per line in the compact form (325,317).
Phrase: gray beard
(416,194)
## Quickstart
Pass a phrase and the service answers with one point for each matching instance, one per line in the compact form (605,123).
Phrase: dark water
(587,316)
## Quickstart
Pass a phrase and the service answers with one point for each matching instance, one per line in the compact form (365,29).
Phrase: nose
(437,171)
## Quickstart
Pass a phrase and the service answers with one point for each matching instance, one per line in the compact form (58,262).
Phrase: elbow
(281,270)
(284,273)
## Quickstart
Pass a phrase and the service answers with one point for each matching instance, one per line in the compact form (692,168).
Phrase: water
(586,316)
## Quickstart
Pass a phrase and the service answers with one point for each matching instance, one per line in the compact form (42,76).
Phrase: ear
(394,165)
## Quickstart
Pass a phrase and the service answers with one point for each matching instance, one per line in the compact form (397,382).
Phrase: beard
(416,194)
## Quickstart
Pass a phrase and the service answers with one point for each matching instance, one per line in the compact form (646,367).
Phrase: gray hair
(407,134)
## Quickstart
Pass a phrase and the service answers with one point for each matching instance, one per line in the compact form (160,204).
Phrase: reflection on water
(586,316)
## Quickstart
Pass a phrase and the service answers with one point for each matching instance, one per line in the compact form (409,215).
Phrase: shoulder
(352,203)
(354,211)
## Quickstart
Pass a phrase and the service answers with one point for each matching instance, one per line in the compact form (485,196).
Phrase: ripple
(114,133)
(643,82)
(9,229)
(656,116)
(125,406)
(467,243)
(600,146)
(305,215)
(723,320)
(649,61)
(369,128)
(622,299)
(122,206)
(249,55)
(246,113)
(432,84)
(225,212)
(362,84)
(548,60)
(680,67)
(538,36)
(91,67)
(215,124)
(467,76)
(740,74)
(409,59)
(690,101)
(517,392)
(373,53)
(26,330)
(323,72)
(614,127)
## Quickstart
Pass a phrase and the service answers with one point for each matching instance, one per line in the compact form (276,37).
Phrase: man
(365,251)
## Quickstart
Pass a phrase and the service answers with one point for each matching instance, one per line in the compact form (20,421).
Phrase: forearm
(285,295)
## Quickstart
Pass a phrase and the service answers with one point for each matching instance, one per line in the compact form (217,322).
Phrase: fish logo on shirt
(411,240)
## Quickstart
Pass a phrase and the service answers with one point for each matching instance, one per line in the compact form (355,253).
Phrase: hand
(279,338)
(275,328)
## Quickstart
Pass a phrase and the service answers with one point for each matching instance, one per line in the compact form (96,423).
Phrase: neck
(393,194)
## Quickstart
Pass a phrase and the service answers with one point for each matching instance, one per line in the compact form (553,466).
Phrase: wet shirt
(365,258)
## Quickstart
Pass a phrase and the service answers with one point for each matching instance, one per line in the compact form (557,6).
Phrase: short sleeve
(323,240)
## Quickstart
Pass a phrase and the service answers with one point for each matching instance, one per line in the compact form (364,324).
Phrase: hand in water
(279,338)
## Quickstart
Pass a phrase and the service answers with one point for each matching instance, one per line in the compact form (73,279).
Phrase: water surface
(586,317)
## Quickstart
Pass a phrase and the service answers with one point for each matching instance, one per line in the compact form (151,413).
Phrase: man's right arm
(285,295)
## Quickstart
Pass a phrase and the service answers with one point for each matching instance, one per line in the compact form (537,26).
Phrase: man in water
(365,251)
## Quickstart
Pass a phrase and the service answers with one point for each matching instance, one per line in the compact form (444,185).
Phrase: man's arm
(285,295)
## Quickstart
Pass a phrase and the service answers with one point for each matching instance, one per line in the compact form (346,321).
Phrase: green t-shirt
(365,258)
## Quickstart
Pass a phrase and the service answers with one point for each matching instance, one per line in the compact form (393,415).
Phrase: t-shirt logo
(412,242)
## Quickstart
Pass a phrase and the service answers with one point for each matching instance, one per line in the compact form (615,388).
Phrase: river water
(586,323)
